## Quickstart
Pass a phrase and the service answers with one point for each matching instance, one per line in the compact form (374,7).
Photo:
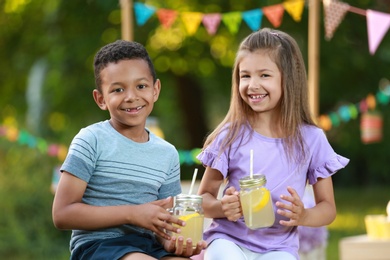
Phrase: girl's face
(128,93)
(260,83)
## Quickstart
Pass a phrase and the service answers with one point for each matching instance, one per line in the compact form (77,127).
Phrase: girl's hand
(181,250)
(294,210)
(231,205)
(155,217)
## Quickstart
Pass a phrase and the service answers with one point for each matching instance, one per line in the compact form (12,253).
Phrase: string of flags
(378,23)
(371,120)
(59,151)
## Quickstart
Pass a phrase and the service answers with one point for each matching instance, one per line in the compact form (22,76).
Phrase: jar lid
(189,198)
(257,180)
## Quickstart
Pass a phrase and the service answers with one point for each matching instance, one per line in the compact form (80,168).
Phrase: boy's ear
(99,99)
(157,89)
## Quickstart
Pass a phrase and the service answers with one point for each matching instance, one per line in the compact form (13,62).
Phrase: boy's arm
(69,212)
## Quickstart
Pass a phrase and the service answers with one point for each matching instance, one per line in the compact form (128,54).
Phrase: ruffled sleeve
(327,168)
(215,161)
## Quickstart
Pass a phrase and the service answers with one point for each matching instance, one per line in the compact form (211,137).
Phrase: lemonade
(193,228)
(189,209)
(257,208)
(256,202)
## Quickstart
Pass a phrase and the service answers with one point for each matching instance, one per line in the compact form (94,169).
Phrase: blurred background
(46,83)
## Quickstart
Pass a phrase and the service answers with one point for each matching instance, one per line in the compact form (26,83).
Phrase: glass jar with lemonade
(189,209)
(256,202)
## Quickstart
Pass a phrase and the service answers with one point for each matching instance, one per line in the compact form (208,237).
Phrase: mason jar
(256,202)
(189,209)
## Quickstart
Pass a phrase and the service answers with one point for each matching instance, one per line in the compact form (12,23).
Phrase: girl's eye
(264,75)
(244,76)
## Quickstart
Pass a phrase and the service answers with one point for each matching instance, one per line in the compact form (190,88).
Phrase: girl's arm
(69,212)
(228,206)
(323,213)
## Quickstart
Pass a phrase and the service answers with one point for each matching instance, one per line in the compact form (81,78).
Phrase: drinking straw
(193,181)
(251,165)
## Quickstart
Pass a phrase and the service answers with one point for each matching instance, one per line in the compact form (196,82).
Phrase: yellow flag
(294,8)
(191,21)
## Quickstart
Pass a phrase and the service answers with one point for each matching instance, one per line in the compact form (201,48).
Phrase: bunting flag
(166,17)
(274,14)
(232,21)
(211,22)
(377,26)
(191,21)
(294,8)
(334,12)
(253,19)
(143,13)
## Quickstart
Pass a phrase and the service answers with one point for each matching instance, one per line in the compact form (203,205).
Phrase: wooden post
(313,57)
(127,19)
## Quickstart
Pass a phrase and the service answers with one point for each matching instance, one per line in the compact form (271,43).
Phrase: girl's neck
(268,126)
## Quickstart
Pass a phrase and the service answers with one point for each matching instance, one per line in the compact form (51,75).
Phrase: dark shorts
(115,248)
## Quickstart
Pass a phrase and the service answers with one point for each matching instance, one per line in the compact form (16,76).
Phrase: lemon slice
(263,195)
(189,216)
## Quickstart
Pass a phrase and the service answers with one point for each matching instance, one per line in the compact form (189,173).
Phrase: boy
(118,178)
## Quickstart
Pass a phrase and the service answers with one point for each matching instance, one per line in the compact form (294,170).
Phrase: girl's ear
(99,99)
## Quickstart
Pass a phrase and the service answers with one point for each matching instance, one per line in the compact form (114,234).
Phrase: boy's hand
(295,210)
(231,205)
(155,217)
(181,250)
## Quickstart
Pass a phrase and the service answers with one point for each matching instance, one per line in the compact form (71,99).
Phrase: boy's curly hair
(118,51)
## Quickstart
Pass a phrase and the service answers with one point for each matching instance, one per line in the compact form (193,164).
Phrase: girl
(268,114)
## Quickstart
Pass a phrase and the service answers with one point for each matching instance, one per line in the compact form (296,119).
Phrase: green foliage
(26,227)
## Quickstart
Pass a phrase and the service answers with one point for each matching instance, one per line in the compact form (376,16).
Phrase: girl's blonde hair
(294,106)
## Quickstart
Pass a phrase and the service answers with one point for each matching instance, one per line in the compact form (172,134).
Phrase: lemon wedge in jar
(264,195)
(189,216)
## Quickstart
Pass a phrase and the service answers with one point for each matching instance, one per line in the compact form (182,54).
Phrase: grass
(352,206)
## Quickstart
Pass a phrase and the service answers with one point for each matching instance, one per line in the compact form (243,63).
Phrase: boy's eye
(118,90)
(141,86)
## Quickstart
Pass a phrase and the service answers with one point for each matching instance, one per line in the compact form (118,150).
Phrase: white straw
(251,165)
(193,181)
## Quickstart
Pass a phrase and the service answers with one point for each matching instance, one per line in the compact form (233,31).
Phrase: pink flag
(377,26)
(211,22)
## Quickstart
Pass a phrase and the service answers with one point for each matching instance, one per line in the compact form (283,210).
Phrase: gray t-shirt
(120,171)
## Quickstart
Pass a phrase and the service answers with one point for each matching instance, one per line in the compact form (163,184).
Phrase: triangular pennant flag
(232,21)
(166,17)
(294,8)
(143,13)
(378,24)
(334,12)
(211,22)
(253,18)
(191,21)
(274,14)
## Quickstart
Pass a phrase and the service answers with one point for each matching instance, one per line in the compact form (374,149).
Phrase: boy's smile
(128,93)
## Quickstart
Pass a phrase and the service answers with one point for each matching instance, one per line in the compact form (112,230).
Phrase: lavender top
(270,160)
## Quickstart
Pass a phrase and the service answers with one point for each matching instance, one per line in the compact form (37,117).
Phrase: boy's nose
(130,96)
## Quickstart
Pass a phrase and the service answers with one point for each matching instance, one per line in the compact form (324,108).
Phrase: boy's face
(128,93)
